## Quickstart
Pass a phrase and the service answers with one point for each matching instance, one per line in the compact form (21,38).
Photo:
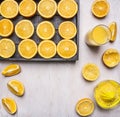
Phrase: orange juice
(99,35)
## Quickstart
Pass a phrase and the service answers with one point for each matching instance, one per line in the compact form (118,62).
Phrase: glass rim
(106,28)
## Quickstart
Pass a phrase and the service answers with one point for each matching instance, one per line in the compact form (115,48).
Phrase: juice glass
(98,36)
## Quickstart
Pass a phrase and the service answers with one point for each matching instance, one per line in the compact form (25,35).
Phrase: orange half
(67,8)
(9,8)
(100,8)
(27,8)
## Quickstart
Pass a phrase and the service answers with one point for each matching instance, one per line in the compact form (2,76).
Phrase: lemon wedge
(11,70)
(16,87)
(10,105)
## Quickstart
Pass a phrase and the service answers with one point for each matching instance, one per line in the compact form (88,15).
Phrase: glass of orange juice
(98,36)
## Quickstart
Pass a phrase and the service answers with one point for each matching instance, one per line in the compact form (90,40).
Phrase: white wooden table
(53,89)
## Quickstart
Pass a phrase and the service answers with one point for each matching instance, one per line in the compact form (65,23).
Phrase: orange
(45,30)
(66,49)
(67,30)
(9,8)
(6,27)
(113,29)
(85,107)
(90,72)
(11,70)
(7,48)
(67,8)
(24,29)
(47,49)
(10,105)
(27,8)
(100,8)
(27,48)
(16,87)
(111,57)
(47,8)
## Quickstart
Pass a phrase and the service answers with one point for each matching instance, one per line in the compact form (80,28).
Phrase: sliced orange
(24,29)
(90,72)
(66,49)
(27,48)
(11,70)
(67,8)
(16,87)
(100,8)
(111,57)
(45,30)
(7,48)
(6,27)
(47,49)
(85,107)
(113,28)
(67,30)
(27,8)
(47,8)
(9,8)
(10,105)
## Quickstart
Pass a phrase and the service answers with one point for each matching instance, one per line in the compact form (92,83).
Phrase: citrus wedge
(27,8)
(27,48)
(9,8)
(16,87)
(24,29)
(10,105)
(67,30)
(11,70)
(90,72)
(66,49)
(7,48)
(111,58)
(45,30)
(47,49)
(67,8)
(6,27)
(100,8)
(113,28)
(47,8)
(85,107)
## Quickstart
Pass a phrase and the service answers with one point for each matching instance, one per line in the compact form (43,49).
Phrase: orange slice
(47,8)
(111,58)
(27,8)
(67,30)
(85,107)
(67,8)
(90,72)
(100,8)
(10,105)
(47,49)
(11,70)
(66,49)
(45,30)
(7,48)
(6,27)
(24,29)
(9,8)
(113,28)
(16,87)
(27,48)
